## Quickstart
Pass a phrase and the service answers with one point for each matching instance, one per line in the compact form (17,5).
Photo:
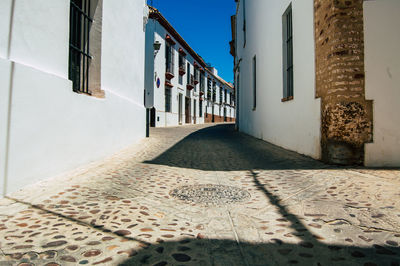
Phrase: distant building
(72,77)
(179,86)
(320,77)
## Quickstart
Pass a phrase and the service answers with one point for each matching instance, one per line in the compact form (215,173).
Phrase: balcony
(190,85)
(169,71)
(169,75)
(168,84)
(182,70)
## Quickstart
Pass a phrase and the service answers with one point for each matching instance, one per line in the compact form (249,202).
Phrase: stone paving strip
(205,195)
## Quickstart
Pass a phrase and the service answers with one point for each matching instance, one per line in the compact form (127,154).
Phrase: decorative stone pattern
(120,212)
(346,118)
(210,194)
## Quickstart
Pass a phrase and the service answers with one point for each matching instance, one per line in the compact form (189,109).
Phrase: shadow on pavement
(221,148)
(310,250)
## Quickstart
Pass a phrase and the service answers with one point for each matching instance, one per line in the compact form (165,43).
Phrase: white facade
(295,123)
(184,103)
(156,32)
(281,123)
(382,68)
(45,127)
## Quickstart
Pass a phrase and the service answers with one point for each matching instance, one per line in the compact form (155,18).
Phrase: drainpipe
(237,88)
(147,122)
(9,103)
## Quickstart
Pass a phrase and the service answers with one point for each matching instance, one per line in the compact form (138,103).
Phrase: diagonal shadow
(310,251)
(301,231)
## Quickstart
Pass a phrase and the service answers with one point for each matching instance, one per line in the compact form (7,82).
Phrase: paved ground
(201,195)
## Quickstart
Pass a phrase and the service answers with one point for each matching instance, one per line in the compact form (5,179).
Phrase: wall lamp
(156,46)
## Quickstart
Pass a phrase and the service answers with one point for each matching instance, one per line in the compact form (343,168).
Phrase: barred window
(287,54)
(79,57)
(169,58)
(188,74)
(254,82)
(167,100)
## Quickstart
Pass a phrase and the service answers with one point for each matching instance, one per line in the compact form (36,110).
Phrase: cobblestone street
(205,195)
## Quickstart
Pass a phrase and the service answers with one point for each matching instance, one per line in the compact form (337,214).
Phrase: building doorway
(194,111)
(180,108)
(153,117)
(187,110)
(212,117)
(225,114)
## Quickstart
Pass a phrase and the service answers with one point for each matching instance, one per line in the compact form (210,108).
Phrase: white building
(177,77)
(72,84)
(219,99)
(320,77)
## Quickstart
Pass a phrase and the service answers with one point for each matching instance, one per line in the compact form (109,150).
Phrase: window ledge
(287,99)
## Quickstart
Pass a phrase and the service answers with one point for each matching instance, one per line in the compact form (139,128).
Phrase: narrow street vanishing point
(205,195)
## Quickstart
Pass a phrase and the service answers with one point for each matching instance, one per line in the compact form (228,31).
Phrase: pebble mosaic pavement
(121,211)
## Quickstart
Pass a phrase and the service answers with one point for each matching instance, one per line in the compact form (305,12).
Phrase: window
(181,60)
(225,98)
(167,100)
(287,54)
(214,91)
(180,79)
(79,57)
(188,73)
(201,82)
(254,82)
(169,58)
(201,108)
(221,89)
(209,91)
(244,23)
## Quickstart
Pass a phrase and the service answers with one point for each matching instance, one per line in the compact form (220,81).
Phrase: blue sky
(206,27)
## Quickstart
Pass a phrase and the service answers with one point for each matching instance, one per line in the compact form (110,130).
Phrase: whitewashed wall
(382,68)
(295,124)
(156,32)
(52,129)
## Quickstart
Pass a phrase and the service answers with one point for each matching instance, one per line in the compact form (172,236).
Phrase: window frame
(168,102)
(169,58)
(200,108)
(254,72)
(79,44)
(287,43)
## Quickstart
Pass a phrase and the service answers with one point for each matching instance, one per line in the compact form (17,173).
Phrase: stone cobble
(288,209)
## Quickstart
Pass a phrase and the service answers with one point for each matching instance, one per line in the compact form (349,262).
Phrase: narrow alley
(205,195)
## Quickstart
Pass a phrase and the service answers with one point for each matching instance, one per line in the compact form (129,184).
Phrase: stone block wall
(340,80)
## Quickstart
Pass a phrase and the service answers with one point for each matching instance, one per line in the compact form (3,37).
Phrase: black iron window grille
(169,58)
(201,82)
(287,54)
(201,108)
(209,90)
(79,57)
(214,92)
(225,96)
(181,61)
(254,82)
(188,74)
(167,100)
